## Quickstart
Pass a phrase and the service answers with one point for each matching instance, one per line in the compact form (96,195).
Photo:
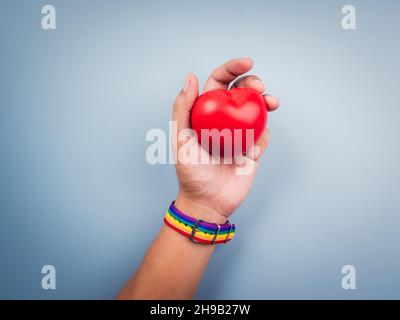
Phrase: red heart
(239,108)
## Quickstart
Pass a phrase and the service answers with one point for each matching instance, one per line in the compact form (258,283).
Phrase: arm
(173,265)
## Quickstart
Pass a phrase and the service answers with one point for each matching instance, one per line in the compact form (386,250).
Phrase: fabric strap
(198,230)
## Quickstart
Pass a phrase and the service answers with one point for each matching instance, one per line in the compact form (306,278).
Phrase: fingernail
(187,83)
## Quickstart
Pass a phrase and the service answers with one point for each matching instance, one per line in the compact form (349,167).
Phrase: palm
(217,183)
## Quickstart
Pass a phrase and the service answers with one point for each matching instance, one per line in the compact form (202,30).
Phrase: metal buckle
(227,235)
(195,228)
(216,233)
(196,225)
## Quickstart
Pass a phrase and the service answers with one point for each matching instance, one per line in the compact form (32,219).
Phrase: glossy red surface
(227,111)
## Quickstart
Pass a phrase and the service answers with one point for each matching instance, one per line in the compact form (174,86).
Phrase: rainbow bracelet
(198,230)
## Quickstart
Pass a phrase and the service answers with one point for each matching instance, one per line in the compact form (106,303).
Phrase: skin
(173,265)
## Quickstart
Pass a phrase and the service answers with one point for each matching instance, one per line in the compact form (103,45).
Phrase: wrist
(198,210)
(198,222)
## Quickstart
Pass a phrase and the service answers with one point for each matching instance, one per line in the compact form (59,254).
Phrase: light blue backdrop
(76,103)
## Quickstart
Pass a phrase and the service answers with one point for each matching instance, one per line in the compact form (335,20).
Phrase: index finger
(226,73)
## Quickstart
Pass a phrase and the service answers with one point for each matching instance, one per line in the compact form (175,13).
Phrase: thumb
(184,102)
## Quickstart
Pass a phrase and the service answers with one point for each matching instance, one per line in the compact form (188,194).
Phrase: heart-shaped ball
(218,113)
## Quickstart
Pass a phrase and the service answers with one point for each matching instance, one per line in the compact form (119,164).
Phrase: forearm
(172,267)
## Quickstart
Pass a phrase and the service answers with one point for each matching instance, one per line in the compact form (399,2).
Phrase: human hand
(212,191)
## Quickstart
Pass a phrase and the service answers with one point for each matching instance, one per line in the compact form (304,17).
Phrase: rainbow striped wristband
(198,230)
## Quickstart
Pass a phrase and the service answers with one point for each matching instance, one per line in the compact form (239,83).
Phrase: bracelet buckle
(216,233)
(195,227)
(229,232)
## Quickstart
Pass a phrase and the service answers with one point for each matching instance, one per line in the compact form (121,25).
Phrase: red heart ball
(239,108)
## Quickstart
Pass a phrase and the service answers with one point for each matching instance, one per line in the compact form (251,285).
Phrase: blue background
(76,104)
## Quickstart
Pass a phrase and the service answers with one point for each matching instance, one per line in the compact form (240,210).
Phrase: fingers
(184,102)
(259,148)
(272,102)
(222,76)
(252,81)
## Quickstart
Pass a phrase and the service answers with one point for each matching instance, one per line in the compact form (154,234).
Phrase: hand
(206,191)
(212,192)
